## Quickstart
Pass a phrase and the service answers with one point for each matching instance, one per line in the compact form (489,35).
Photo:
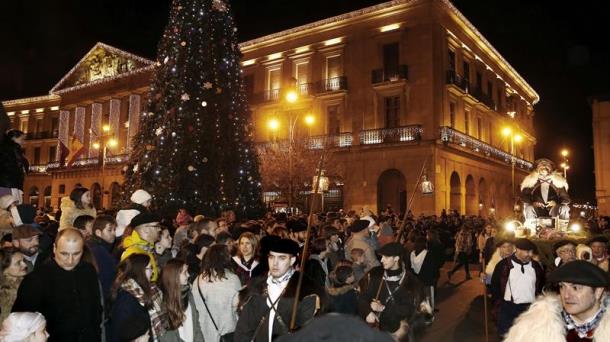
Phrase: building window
(479,129)
(452,114)
(390,59)
(334,124)
(62,188)
(39,127)
(36,155)
(52,153)
(451,60)
(23,126)
(333,72)
(392,111)
(467,121)
(466,67)
(301,74)
(490,134)
(479,81)
(499,99)
(55,127)
(490,88)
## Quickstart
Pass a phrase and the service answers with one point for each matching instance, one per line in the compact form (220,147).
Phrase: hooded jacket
(542,322)
(124,216)
(69,213)
(134,244)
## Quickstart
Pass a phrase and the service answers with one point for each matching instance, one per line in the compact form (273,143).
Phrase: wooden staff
(293,319)
(404,217)
(485,306)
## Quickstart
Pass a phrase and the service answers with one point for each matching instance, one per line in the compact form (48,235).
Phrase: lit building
(393,87)
(601,150)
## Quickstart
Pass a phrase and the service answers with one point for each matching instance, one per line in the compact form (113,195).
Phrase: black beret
(562,243)
(525,244)
(266,242)
(296,226)
(392,249)
(359,225)
(580,272)
(285,246)
(144,218)
(599,238)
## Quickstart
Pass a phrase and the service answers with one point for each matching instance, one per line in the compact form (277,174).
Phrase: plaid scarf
(586,329)
(155,311)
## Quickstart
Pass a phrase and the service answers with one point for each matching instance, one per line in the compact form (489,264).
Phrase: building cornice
(30,100)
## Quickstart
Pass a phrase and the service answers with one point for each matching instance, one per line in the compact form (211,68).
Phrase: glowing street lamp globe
(292,96)
(273,124)
(310,120)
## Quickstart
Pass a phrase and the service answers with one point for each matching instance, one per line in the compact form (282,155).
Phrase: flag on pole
(75,150)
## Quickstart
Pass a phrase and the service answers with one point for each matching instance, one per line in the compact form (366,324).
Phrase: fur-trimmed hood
(556,178)
(542,322)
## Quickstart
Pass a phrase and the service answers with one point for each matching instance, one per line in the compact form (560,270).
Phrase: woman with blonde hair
(24,327)
(246,260)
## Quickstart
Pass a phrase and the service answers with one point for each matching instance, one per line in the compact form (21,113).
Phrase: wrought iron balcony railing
(390,74)
(306,89)
(335,140)
(452,136)
(458,80)
(41,135)
(391,135)
(270,95)
(118,159)
(38,168)
(332,84)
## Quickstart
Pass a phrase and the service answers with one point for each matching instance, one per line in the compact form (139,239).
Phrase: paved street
(461,310)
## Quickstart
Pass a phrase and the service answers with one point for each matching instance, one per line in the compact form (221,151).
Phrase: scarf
(282,279)
(155,310)
(417,260)
(322,263)
(586,329)
(246,266)
(516,260)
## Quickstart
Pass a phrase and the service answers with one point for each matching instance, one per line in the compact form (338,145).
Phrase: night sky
(562,51)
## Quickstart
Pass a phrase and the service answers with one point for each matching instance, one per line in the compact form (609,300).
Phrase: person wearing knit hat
(579,313)
(140,203)
(599,248)
(267,312)
(515,283)
(24,326)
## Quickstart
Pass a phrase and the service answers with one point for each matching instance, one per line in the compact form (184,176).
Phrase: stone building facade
(601,150)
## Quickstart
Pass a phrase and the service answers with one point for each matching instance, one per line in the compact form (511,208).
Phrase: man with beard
(26,240)
(66,291)
(267,311)
(391,293)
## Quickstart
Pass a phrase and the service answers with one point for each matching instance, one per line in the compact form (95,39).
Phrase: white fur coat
(542,322)
(556,179)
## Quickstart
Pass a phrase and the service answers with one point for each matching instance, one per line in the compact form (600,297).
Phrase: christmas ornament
(191,168)
(173,134)
(207,85)
(185,97)
(204,104)
(183,43)
(159,131)
(166,60)
(219,6)
(205,160)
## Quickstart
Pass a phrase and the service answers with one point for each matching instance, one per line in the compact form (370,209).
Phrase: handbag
(228,337)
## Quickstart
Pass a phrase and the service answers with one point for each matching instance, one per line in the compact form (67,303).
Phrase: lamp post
(107,140)
(514,138)
(565,166)
(291,97)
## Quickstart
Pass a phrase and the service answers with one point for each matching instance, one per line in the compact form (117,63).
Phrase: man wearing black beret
(146,232)
(579,313)
(267,311)
(360,239)
(599,247)
(391,293)
(515,283)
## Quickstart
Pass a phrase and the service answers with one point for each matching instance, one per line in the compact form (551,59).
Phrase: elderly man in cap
(544,193)
(515,283)
(26,240)
(146,232)
(391,293)
(599,247)
(579,313)
(359,239)
(267,311)
(565,250)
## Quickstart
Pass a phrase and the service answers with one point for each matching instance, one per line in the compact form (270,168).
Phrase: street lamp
(107,140)
(565,166)
(514,138)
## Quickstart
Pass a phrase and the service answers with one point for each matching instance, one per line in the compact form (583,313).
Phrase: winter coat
(106,263)
(125,308)
(221,297)
(315,270)
(13,165)
(70,301)
(69,213)
(124,216)
(543,322)
(343,299)
(500,276)
(174,335)
(370,259)
(531,191)
(8,294)
(242,271)
(134,244)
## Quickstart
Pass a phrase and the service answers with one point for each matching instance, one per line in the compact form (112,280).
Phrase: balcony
(306,89)
(118,159)
(332,84)
(390,74)
(335,140)
(452,136)
(391,135)
(271,95)
(484,99)
(38,169)
(458,80)
(41,135)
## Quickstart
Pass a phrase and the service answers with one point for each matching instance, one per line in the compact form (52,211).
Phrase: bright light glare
(292,96)
(575,227)
(106,128)
(510,226)
(113,142)
(506,131)
(96,146)
(518,138)
(273,124)
(310,120)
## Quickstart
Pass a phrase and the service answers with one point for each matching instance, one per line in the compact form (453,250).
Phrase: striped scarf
(155,311)
(586,329)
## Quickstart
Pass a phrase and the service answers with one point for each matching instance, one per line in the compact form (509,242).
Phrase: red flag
(76,148)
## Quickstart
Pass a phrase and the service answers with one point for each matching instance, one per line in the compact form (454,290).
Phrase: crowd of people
(131,275)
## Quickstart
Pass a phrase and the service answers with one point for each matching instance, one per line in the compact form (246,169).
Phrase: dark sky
(562,51)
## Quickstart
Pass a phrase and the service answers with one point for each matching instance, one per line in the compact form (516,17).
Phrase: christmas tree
(194,148)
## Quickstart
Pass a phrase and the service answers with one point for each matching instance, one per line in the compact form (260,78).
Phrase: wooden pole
(485,306)
(410,203)
(316,187)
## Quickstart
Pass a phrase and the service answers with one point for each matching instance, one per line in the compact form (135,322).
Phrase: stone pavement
(460,304)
